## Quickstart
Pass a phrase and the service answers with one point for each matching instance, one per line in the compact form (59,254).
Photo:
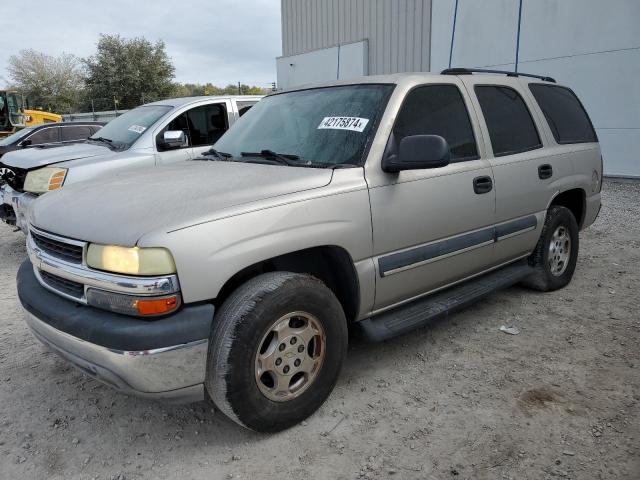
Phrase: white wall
(344,61)
(593,46)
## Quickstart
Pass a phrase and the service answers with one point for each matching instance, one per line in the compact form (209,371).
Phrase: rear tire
(555,256)
(276,349)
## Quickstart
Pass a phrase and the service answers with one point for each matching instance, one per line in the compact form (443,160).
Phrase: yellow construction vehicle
(12,115)
(37,117)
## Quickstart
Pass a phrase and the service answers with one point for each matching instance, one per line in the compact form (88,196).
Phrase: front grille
(56,248)
(63,285)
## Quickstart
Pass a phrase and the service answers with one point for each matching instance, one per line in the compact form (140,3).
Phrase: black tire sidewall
(560,216)
(249,405)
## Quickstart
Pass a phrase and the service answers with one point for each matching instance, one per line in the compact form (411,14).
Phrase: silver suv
(367,207)
(158,133)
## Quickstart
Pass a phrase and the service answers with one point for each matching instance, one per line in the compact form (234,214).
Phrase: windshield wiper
(283,158)
(102,139)
(224,156)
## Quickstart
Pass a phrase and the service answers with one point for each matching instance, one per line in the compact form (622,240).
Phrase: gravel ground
(457,400)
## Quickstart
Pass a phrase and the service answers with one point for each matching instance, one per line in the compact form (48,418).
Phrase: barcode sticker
(137,128)
(355,124)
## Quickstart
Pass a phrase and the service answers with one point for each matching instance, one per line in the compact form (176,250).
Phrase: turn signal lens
(57,179)
(132,305)
(157,306)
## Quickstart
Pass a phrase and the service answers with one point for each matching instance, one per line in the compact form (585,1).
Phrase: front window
(124,130)
(318,127)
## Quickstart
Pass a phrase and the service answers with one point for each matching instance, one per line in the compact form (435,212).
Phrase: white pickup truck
(158,133)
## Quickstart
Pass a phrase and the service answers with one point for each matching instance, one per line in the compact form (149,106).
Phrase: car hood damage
(31,158)
(122,209)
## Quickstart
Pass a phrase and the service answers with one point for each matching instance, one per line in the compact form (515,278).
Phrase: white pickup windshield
(124,130)
(323,126)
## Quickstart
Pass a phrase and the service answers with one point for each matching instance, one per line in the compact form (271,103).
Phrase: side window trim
(531,116)
(466,104)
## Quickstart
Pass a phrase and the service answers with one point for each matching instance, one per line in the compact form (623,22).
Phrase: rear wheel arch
(575,200)
(331,264)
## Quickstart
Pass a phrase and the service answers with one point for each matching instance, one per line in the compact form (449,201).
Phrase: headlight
(130,261)
(44,179)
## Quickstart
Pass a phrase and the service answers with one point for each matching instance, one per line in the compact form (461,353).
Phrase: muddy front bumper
(14,207)
(161,359)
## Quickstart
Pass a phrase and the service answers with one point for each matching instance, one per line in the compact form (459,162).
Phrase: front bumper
(15,207)
(162,359)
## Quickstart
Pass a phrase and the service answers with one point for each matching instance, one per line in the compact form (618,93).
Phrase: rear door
(522,168)
(432,227)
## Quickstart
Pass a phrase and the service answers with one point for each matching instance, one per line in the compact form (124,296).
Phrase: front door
(432,227)
(179,154)
(207,123)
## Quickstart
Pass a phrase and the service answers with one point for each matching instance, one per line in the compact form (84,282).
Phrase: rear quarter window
(565,115)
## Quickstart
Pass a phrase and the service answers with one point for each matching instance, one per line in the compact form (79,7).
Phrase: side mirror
(173,139)
(418,152)
(25,143)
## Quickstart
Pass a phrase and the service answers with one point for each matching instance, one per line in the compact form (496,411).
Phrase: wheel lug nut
(286,369)
(297,362)
(301,348)
(293,341)
(282,347)
(278,361)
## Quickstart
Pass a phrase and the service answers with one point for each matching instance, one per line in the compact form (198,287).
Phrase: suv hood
(127,206)
(35,157)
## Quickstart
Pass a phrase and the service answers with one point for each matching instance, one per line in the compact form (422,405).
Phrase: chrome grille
(63,285)
(59,249)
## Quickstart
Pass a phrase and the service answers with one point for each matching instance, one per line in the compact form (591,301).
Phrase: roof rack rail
(469,71)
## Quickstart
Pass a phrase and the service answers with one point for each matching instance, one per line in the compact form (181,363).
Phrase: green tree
(131,71)
(50,83)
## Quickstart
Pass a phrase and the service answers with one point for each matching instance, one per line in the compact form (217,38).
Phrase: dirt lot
(457,400)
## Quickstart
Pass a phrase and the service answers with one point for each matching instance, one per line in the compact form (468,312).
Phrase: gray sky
(217,41)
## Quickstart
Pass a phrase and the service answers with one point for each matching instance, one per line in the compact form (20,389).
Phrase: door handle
(545,171)
(482,184)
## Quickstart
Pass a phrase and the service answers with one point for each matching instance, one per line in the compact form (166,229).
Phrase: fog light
(132,305)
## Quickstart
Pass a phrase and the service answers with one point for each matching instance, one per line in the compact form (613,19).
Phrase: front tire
(275,352)
(556,254)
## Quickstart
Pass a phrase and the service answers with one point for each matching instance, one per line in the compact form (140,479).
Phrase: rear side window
(509,122)
(438,110)
(565,114)
(244,106)
(76,132)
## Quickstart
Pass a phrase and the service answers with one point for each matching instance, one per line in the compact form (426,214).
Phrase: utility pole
(239,91)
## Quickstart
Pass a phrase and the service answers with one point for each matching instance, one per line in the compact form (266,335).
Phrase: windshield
(124,130)
(11,139)
(323,126)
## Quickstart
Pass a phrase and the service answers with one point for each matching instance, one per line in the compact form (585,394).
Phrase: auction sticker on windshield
(137,128)
(355,124)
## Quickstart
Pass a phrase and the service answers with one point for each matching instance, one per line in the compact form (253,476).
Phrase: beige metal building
(328,39)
